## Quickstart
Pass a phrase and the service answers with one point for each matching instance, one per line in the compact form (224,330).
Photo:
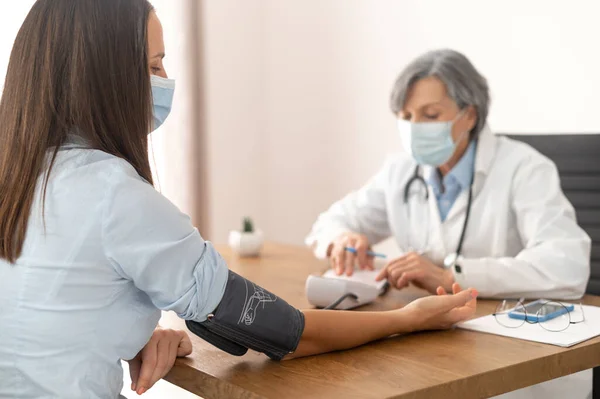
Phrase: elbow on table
(581,273)
(575,286)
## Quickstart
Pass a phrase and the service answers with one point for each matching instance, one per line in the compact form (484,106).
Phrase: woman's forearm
(331,330)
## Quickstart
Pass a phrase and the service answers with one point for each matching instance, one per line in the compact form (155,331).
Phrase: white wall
(11,19)
(320,73)
(296,91)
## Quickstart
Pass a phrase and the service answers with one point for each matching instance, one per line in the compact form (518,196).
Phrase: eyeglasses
(551,316)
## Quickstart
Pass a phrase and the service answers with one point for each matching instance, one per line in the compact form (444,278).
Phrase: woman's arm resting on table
(250,317)
(331,330)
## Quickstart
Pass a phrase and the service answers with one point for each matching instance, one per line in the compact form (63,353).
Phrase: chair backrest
(577,157)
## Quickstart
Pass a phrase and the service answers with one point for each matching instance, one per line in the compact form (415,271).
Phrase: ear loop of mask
(457,117)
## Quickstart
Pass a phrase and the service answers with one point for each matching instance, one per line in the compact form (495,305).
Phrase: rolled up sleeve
(150,242)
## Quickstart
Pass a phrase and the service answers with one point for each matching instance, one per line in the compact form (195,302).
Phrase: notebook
(573,335)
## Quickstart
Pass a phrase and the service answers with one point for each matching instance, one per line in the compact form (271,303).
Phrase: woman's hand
(157,358)
(442,311)
(418,270)
(344,261)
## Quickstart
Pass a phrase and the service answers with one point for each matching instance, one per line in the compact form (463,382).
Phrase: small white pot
(246,244)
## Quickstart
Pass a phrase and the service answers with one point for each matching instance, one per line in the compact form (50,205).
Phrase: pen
(370,253)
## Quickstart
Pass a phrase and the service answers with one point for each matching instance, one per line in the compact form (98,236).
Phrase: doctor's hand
(157,358)
(343,261)
(418,270)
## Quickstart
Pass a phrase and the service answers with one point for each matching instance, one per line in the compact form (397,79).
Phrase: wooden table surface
(444,364)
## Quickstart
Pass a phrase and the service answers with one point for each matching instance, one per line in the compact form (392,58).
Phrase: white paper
(575,334)
(361,276)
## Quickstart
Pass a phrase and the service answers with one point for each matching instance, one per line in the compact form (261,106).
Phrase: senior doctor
(463,205)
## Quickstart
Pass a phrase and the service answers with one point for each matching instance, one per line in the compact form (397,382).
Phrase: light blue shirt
(448,189)
(87,289)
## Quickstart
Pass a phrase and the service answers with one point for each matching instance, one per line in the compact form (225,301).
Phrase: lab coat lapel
(435,239)
(486,150)
(460,205)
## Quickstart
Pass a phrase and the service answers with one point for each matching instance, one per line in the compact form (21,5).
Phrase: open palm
(444,311)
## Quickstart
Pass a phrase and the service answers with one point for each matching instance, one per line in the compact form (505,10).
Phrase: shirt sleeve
(555,261)
(150,242)
(363,212)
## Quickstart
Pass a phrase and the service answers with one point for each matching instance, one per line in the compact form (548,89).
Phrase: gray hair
(464,83)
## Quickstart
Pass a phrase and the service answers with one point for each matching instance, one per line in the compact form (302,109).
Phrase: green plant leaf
(248,225)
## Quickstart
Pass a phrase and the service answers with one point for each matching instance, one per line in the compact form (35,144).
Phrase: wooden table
(447,364)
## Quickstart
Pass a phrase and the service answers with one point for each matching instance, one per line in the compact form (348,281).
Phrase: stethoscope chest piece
(450,260)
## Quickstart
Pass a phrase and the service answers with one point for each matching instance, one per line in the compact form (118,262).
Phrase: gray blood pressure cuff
(250,317)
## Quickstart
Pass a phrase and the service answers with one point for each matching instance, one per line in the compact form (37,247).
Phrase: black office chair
(577,158)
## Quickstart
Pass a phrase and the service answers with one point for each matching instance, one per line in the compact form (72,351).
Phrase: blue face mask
(162,97)
(429,143)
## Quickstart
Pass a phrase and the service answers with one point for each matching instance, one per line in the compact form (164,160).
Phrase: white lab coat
(522,238)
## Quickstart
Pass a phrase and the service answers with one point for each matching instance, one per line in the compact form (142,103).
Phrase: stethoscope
(451,259)
(417,178)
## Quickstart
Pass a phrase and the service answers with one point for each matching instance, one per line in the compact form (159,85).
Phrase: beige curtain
(179,147)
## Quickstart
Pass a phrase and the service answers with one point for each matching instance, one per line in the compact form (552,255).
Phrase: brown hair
(76,67)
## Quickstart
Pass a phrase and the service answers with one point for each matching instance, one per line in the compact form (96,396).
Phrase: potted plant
(247,242)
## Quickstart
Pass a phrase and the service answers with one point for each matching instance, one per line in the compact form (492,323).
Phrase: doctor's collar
(486,150)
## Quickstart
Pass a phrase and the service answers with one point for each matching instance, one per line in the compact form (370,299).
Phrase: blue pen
(370,253)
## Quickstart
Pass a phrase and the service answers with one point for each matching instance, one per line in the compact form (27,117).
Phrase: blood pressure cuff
(250,317)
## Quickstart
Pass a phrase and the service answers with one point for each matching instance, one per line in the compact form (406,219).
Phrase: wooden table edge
(205,385)
(483,385)
(489,383)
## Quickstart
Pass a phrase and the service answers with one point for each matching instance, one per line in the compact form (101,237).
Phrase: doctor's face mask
(431,125)
(429,143)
